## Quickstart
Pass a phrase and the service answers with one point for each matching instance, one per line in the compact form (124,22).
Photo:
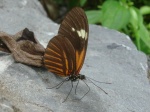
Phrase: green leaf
(82,2)
(93,16)
(136,18)
(142,37)
(145,10)
(73,3)
(115,15)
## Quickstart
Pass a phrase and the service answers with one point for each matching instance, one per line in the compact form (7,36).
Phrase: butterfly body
(74,78)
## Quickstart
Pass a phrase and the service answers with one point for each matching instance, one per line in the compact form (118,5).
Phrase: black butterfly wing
(58,57)
(75,28)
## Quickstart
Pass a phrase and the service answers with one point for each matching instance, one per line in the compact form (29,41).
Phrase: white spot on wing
(82,33)
(73,29)
(79,33)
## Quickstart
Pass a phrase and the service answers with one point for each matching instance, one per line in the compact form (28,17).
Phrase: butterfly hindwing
(59,56)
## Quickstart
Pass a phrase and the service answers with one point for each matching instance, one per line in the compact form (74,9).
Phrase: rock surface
(111,57)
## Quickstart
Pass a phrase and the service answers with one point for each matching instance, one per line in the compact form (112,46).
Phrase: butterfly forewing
(75,28)
(58,56)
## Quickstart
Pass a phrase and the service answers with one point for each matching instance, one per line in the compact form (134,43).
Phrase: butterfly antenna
(98,81)
(76,87)
(98,87)
(69,92)
(86,92)
(58,85)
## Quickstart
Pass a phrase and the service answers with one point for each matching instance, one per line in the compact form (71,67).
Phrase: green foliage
(142,37)
(115,15)
(82,2)
(145,10)
(123,16)
(71,3)
(93,16)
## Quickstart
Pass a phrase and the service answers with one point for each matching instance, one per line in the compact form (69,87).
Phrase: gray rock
(111,57)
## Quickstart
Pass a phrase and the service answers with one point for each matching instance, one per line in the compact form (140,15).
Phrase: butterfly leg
(98,87)
(76,87)
(87,91)
(69,92)
(97,81)
(58,85)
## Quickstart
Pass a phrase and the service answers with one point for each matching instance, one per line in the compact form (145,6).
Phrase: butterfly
(65,53)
